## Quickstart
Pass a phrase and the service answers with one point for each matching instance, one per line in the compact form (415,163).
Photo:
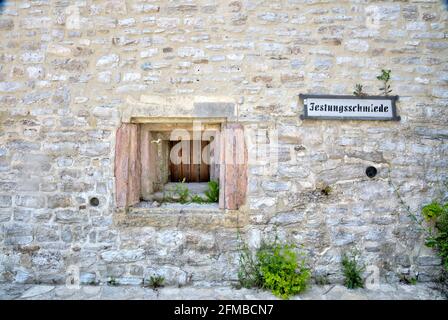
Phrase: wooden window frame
(134,153)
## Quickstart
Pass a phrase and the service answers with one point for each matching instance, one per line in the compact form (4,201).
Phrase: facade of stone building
(75,76)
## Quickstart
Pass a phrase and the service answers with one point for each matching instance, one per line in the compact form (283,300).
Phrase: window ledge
(145,207)
(193,216)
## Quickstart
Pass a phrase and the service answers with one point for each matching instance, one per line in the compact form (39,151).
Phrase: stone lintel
(154,107)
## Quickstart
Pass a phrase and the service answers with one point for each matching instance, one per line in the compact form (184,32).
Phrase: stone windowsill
(145,208)
(191,215)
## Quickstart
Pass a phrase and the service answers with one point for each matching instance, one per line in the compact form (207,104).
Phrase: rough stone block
(30,201)
(5,201)
(120,256)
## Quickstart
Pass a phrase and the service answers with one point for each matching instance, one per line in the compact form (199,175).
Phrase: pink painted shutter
(135,168)
(233,173)
(127,165)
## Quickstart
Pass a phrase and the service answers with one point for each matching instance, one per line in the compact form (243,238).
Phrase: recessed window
(176,161)
(180,162)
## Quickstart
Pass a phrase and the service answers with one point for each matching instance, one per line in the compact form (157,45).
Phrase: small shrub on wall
(436,214)
(274,266)
(352,270)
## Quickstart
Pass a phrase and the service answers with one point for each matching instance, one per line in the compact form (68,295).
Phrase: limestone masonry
(72,72)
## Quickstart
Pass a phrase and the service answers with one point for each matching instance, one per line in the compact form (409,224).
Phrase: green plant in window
(180,193)
(198,199)
(212,192)
(183,193)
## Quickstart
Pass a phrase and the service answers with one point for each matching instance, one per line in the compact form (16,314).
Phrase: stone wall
(69,69)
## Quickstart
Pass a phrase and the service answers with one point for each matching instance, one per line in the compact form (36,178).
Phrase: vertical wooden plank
(231,186)
(181,167)
(121,170)
(165,161)
(222,166)
(173,168)
(135,172)
(195,146)
(148,152)
(235,163)
(186,159)
(215,154)
(204,169)
(191,164)
(241,173)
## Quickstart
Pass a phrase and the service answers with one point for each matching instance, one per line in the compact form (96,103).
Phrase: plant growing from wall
(326,190)
(385,77)
(436,214)
(181,193)
(195,198)
(274,266)
(321,279)
(352,270)
(212,192)
(249,273)
(410,280)
(112,282)
(359,91)
(156,281)
(434,225)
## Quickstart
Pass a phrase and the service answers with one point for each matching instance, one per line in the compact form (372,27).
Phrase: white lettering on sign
(348,107)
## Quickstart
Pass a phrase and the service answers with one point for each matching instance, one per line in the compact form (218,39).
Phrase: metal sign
(344,107)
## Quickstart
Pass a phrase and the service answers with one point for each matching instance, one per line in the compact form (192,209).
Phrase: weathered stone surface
(6,24)
(69,216)
(5,201)
(110,60)
(173,275)
(119,256)
(17,234)
(10,86)
(66,83)
(124,292)
(30,201)
(59,201)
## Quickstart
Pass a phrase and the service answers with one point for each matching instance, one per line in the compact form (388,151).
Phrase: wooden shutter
(127,165)
(148,153)
(196,168)
(233,170)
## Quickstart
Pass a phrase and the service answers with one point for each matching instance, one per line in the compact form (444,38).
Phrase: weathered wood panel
(135,171)
(234,168)
(122,164)
(192,167)
(127,165)
(204,169)
(221,148)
